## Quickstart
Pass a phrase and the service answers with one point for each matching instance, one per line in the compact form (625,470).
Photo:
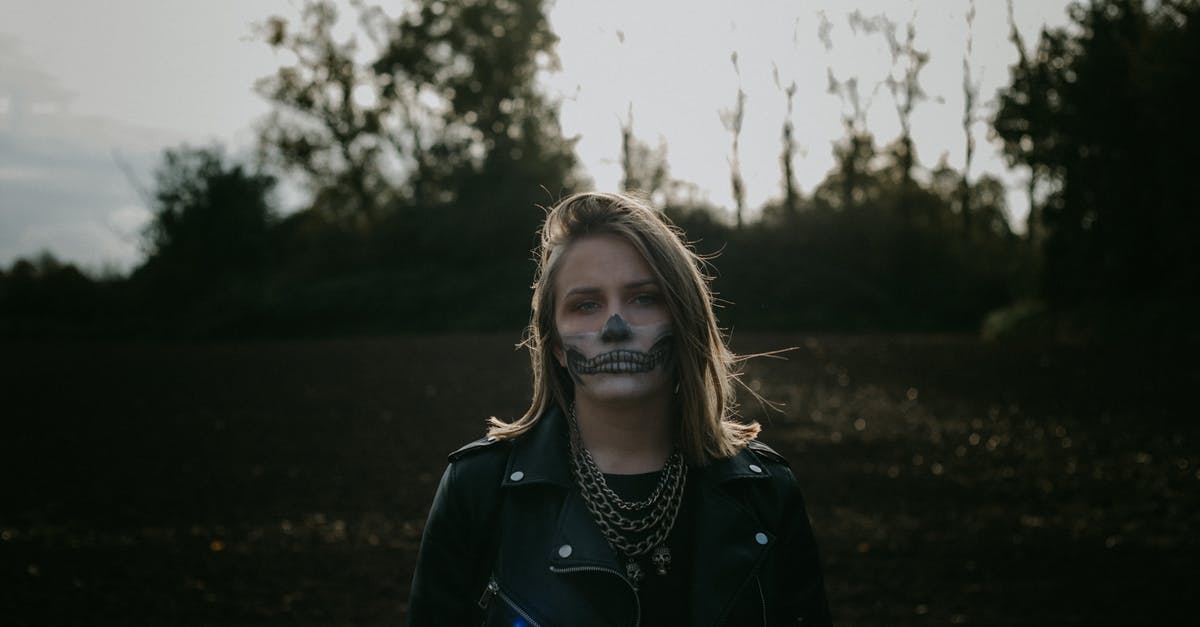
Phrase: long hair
(706,368)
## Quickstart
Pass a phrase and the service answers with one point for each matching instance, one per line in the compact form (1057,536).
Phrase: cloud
(105,246)
(62,188)
(128,220)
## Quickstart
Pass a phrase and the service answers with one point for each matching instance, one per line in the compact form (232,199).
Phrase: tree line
(429,165)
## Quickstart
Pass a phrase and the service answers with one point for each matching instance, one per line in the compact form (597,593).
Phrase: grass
(949,481)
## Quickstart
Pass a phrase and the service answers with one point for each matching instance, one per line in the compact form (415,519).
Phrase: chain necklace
(633,528)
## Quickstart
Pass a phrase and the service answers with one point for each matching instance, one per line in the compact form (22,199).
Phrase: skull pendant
(634,570)
(661,559)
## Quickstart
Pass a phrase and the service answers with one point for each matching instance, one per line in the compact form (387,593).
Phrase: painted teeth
(621,362)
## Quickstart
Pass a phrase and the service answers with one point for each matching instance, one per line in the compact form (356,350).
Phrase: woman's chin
(620,388)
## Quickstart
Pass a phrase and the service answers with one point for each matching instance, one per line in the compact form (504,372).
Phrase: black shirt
(665,599)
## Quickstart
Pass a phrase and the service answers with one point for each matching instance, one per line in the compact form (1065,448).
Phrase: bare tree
(629,180)
(790,195)
(854,154)
(905,90)
(644,169)
(970,96)
(1033,220)
(732,119)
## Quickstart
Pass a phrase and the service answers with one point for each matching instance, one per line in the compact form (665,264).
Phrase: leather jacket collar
(730,542)
(541,455)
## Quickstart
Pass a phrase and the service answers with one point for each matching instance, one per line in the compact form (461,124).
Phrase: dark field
(949,482)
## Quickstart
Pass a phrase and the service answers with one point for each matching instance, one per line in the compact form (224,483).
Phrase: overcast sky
(92,90)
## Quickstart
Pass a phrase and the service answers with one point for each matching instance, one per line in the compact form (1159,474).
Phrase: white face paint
(613,322)
(620,361)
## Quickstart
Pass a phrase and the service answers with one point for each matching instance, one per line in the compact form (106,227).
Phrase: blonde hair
(706,368)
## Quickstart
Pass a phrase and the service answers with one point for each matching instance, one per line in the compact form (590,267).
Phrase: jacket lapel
(729,543)
(542,458)
(581,543)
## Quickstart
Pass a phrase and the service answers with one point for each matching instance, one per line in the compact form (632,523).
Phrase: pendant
(634,570)
(661,558)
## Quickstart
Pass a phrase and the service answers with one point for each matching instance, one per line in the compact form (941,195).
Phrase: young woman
(626,494)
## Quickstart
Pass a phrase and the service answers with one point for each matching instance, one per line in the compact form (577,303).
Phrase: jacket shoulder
(767,453)
(481,445)
(474,473)
(482,462)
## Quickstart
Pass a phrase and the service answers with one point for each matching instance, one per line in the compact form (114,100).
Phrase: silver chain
(606,506)
(671,467)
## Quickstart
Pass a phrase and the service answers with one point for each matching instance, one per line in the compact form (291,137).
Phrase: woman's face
(613,325)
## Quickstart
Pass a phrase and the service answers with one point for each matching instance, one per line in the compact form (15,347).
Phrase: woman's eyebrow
(595,290)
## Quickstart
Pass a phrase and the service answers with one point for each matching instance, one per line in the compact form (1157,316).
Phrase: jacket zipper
(493,590)
(637,601)
(762,598)
(488,592)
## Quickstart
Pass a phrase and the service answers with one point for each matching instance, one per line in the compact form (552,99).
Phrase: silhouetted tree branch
(732,119)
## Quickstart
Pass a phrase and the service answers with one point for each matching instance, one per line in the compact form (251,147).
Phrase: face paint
(621,350)
(603,284)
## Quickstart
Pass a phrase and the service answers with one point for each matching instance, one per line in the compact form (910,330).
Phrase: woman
(626,494)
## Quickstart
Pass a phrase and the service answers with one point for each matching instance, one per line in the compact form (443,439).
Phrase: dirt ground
(286,482)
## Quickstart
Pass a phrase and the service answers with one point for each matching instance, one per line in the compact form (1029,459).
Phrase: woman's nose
(615,329)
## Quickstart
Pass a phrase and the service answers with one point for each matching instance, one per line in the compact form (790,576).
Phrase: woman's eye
(587,305)
(646,299)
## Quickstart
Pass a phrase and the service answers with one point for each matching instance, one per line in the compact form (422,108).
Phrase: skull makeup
(620,360)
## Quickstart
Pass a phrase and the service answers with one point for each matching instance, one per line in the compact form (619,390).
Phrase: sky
(91,94)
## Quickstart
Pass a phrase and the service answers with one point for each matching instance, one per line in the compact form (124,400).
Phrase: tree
(853,154)
(852,183)
(211,224)
(329,123)
(1022,149)
(644,170)
(791,196)
(1106,114)
(906,92)
(732,119)
(38,294)
(970,95)
(446,113)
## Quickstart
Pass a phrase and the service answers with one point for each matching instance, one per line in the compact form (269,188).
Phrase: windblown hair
(706,368)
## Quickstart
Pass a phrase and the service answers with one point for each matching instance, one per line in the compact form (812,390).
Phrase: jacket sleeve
(452,563)
(798,571)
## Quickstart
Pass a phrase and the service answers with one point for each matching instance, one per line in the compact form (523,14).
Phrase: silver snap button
(565,550)
(760,538)
(755,468)
(517,476)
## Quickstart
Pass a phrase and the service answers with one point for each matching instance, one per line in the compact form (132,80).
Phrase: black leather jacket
(494,547)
